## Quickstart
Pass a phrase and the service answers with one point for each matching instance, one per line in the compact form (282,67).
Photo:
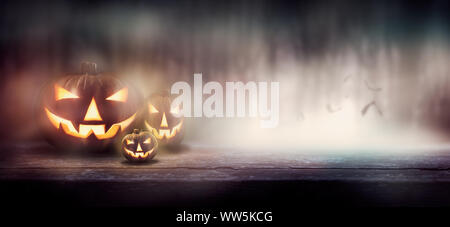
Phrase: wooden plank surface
(40,161)
(34,174)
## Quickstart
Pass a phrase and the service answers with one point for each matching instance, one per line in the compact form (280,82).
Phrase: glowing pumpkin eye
(152,109)
(175,110)
(130,142)
(147,140)
(61,93)
(120,96)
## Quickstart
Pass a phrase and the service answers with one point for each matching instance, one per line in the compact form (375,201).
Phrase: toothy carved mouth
(86,130)
(165,133)
(139,154)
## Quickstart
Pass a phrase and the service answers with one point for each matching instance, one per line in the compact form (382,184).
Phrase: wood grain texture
(40,161)
(35,174)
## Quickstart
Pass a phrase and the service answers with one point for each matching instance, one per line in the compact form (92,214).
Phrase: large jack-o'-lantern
(162,120)
(87,110)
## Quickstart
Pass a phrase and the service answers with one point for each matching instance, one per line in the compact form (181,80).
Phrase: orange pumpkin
(139,146)
(87,110)
(162,121)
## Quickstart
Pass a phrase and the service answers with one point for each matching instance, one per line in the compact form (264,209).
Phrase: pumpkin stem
(88,68)
(135,131)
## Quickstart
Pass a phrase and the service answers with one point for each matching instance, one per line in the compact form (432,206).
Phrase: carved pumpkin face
(139,147)
(88,109)
(161,119)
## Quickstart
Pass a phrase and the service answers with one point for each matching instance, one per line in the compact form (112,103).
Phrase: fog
(356,73)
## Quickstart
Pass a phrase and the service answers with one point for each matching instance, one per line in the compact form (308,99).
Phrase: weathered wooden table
(193,176)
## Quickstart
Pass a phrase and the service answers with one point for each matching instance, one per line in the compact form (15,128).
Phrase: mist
(351,73)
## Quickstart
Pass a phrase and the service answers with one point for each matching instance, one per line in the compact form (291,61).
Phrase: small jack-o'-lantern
(162,120)
(87,110)
(139,147)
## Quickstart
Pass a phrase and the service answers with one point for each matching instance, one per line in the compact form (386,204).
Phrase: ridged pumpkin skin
(87,111)
(139,146)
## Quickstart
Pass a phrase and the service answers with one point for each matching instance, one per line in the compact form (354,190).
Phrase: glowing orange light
(86,130)
(152,109)
(147,140)
(140,154)
(164,132)
(61,93)
(92,113)
(120,96)
(164,121)
(139,148)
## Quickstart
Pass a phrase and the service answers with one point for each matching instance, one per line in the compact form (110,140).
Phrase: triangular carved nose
(92,113)
(164,121)
(139,148)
